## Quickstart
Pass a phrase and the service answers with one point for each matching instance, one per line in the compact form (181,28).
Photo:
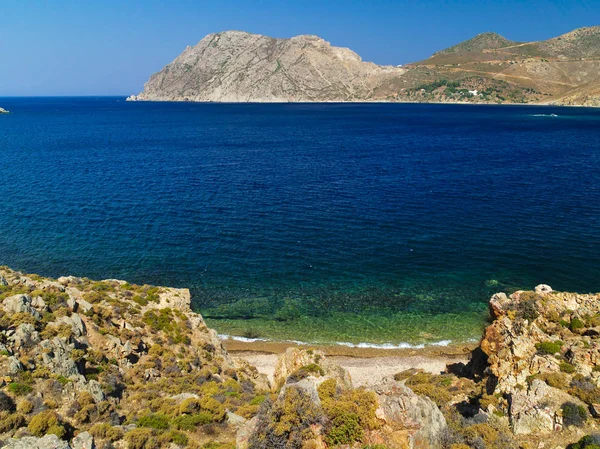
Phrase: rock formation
(235,66)
(240,67)
(118,360)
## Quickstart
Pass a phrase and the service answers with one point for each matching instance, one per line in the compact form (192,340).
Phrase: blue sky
(110,47)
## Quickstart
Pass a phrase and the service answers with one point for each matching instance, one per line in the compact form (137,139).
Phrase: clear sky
(111,47)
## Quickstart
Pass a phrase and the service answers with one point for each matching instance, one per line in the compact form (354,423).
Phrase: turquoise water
(315,222)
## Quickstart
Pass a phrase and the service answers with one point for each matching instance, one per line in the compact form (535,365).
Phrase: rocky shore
(108,364)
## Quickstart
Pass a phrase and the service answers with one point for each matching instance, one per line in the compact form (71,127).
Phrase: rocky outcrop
(534,332)
(78,355)
(543,356)
(296,361)
(82,441)
(327,412)
(412,421)
(47,442)
(20,304)
(538,409)
(3,111)
(235,66)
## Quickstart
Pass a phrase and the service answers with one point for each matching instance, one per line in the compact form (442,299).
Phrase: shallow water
(316,222)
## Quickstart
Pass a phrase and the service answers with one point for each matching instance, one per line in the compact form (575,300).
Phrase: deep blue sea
(377,223)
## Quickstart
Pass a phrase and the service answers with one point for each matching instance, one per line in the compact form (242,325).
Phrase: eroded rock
(415,419)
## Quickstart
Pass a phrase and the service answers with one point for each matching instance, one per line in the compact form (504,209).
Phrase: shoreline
(367,366)
(279,347)
(365,102)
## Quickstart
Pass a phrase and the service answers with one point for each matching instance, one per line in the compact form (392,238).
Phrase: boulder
(14,365)
(39,304)
(3,281)
(543,289)
(242,438)
(93,387)
(83,441)
(75,322)
(84,305)
(184,396)
(25,336)
(20,304)
(537,410)
(47,442)
(56,355)
(409,417)
(72,304)
(66,280)
(499,304)
(294,359)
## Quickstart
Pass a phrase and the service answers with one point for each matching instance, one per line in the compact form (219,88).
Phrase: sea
(370,225)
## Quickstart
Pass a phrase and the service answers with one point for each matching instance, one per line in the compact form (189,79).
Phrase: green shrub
(45,422)
(350,412)
(25,406)
(576,324)
(438,395)
(484,431)
(573,414)
(585,389)
(190,422)
(161,320)
(345,429)
(139,300)
(287,422)
(154,421)
(587,442)
(549,347)
(375,446)
(435,387)
(57,430)
(105,431)
(526,308)
(305,371)
(566,367)
(176,437)
(19,389)
(556,380)
(141,439)
(11,421)
(258,400)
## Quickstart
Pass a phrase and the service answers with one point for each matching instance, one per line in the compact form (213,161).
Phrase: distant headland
(235,66)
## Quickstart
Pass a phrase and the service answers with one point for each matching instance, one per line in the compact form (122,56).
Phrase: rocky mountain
(239,67)
(234,66)
(113,365)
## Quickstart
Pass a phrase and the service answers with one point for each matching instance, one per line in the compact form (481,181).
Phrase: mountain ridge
(236,66)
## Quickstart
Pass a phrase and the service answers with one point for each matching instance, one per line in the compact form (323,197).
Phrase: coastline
(453,350)
(547,104)
(367,366)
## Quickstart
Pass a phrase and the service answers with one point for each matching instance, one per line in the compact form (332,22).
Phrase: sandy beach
(366,366)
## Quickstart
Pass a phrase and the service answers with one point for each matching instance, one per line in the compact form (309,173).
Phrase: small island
(4,111)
